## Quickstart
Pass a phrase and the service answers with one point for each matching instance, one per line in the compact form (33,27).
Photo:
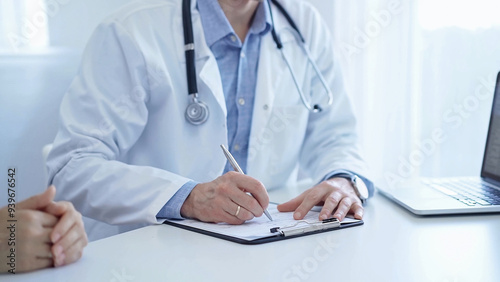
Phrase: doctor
(136,144)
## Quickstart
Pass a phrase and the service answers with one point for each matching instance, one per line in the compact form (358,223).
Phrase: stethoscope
(197,112)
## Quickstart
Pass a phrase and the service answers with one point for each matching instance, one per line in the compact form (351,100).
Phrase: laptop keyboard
(469,192)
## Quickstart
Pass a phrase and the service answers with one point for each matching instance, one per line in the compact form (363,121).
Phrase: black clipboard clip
(303,226)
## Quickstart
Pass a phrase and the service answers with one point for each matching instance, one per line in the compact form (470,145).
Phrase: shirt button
(236,147)
(233,38)
(242,55)
(266,107)
(241,101)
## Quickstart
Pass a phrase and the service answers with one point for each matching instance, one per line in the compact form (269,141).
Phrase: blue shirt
(238,67)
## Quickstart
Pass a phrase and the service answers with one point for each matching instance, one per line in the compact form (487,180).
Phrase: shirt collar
(262,20)
(216,26)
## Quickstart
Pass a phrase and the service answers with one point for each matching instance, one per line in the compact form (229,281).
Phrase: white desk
(392,245)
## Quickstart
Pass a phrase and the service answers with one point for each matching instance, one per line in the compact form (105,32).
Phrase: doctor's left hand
(336,195)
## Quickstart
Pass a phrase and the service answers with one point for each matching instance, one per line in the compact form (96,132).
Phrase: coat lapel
(271,72)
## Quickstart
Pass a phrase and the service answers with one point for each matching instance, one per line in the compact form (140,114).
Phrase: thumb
(39,201)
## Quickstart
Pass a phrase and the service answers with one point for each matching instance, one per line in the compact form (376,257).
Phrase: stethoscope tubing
(197,112)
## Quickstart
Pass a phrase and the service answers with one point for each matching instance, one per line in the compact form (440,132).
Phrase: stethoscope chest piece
(196,112)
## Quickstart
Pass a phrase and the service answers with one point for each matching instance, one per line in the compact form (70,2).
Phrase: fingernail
(60,260)
(58,250)
(56,237)
(297,215)
(323,217)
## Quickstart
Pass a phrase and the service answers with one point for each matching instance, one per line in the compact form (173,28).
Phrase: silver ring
(237,211)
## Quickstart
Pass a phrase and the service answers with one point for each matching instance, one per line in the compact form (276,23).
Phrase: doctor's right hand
(226,200)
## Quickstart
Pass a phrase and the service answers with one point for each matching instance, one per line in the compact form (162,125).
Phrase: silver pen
(237,168)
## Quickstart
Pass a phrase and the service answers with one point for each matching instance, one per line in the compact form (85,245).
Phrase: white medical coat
(124,146)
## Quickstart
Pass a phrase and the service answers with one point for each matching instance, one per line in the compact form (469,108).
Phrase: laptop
(458,195)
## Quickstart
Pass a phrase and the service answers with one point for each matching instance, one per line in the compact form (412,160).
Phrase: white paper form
(256,228)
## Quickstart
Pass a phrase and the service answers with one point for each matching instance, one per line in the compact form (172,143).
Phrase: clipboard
(261,230)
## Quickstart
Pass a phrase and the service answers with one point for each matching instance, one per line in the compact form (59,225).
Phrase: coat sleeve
(331,141)
(102,116)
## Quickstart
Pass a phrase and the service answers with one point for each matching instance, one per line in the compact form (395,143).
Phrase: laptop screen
(491,160)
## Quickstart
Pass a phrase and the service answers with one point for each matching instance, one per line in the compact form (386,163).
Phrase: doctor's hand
(226,200)
(31,232)
(336,195)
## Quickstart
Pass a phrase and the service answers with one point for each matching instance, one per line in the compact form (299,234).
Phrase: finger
(29,254)
(37,218)
(312,198)
(45,236)
(229,217)
(38,201)
(251,185)
(343,208)
(330,204)
(58,208)
(229,189)
(243,213)
(43,251)
(60,248)
(44,263)
(46,220)
(358,210)
(35,264)
(228,214)
(293,203)
(247,202)
(66,222)
(73,253)
(70,250)
(67,240)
